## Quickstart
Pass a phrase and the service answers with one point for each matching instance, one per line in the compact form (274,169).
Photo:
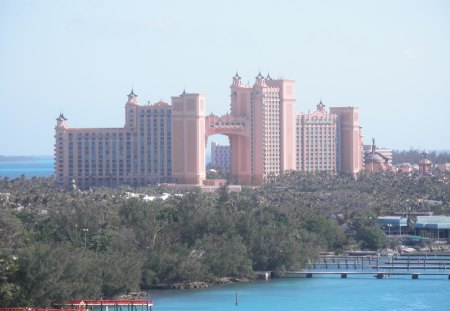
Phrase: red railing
(107,302)
(76,304)
(33,309)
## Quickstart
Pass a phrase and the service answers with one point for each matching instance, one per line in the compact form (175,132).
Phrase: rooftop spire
(61,117)
(61,121)
(320,106)
(132,98)
(132,92)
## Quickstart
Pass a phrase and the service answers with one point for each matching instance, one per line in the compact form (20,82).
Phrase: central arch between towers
(235,128)
(191,128)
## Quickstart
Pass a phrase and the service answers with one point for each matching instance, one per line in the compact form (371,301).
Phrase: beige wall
(287,124)
(188,141)
(350,139)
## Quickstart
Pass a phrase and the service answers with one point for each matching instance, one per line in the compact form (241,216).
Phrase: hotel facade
(165,143)
(220,157)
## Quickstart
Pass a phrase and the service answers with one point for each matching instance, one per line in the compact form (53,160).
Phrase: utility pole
(85,230)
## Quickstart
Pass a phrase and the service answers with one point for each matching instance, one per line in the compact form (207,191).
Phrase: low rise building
(445,167)
(393,225)
(436,227)
(404,168)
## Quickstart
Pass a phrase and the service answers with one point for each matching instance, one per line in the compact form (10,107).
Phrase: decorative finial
(132,92)
(61,117)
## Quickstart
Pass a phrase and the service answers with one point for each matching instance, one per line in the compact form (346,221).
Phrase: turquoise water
(319,293)
(41,167)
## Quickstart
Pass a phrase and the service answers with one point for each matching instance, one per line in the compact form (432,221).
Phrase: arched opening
(218,160)
(236,137)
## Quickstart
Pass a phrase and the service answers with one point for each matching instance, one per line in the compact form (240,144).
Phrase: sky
(390,58)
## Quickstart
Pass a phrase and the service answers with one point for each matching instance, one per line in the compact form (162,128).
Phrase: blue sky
(389,58)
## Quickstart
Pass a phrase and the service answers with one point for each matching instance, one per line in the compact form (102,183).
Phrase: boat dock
(413,265)
(345,274)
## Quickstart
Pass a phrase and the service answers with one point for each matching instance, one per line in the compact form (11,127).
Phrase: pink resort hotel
(165,143)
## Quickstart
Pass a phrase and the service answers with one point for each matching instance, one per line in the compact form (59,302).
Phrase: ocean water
(318,293)
(41,167)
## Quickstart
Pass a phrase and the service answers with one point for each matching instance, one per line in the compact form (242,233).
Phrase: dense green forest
(413,156)
(57,244)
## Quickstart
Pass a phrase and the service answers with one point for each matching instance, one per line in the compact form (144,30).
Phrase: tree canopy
(57,244)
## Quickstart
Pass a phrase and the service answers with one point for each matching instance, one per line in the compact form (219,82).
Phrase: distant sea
(36,166)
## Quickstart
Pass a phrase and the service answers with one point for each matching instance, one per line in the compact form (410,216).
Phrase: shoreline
(201,284)
(232,280)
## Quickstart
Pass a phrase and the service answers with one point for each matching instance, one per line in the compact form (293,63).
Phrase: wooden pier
(345,274)
(413,265)
(407,262)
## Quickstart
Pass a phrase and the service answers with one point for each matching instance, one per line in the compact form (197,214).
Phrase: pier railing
(397,262)
(108,305)
(412,265)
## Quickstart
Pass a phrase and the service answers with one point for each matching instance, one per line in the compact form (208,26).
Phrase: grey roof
(375,158)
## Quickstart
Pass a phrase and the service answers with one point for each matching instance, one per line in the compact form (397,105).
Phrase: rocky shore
(201,284)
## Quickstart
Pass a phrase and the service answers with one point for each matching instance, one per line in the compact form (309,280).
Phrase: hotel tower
(164,142)
(138,153)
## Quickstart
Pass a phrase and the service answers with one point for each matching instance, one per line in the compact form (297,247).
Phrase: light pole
(85,230)
(389,229)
